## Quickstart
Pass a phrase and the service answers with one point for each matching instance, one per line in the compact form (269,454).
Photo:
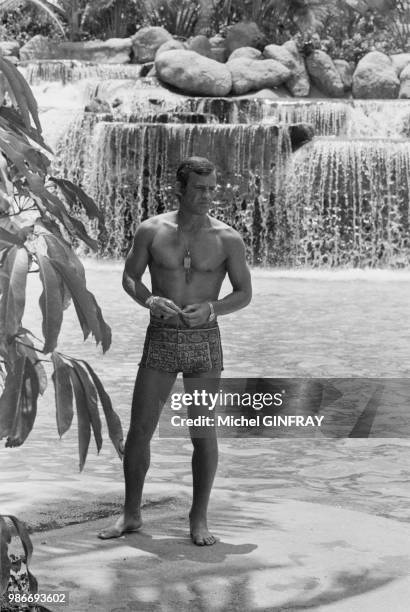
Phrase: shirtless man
(188,253)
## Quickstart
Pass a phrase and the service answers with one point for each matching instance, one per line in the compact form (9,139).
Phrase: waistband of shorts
(181,325)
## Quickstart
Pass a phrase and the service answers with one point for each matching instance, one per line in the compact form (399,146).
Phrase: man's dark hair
(199,165)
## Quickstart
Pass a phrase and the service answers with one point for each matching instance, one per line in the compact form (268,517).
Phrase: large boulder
(249,52)
(200,44)
(252,75)
(169,46)
(324,74)
(9,47)
(375,77)
(193,73)
(111,51)
(405,83)
(245,34)
(38,47)
(147,41)
(288,55)
(400,61)
(345,71)
(218,48)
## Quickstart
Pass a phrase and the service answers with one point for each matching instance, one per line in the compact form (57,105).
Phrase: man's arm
(135,266)
(240,277)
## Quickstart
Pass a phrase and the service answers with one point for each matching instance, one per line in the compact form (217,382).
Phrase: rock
(218,48)
(147,41)
(37,47)
(170,45)
(9,47)
(249,52)
(146,69)
(375,77)
(300,134)
(244,35)
(278,93)
(405,83)
(345,71)
(248,74)
(193,73)
(288,55)
(111,51)
(323,73)
(97,106)
(400,61)
(200,44)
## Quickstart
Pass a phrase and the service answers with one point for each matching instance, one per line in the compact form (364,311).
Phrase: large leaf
(84,429)
(51,303)
(85,305)
(13,291)
(25,348)
(8,238)
(90,394)
(25,409)
(113,420)
(5,563)
(75,195)
(63,394)
(11,120)
(10,397)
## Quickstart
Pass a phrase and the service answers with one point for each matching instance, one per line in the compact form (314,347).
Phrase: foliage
(25,21)
(178,17)
(36,223)
(278,19)
(350,33)
(111,18)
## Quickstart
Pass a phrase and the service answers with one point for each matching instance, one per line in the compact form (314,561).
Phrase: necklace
(187,261)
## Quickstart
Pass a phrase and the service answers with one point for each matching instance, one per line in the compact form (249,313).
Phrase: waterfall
(67,71)
(350,203)
(342,200)
(131,173)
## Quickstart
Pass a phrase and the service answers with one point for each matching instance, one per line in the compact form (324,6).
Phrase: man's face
(197,197)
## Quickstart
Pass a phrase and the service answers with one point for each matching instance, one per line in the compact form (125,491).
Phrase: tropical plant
(279,19)
(36,225)
(178,17)
(49,6)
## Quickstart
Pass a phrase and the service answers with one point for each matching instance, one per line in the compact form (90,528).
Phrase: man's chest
(174,250)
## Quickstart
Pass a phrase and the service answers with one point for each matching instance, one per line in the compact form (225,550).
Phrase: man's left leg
(204,456)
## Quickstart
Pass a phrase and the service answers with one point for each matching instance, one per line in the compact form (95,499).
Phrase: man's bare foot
(120,527)
(200,535)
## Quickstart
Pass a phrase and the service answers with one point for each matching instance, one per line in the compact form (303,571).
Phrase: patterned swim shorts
(181,349)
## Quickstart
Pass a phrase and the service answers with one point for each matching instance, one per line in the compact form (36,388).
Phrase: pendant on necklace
(187,266)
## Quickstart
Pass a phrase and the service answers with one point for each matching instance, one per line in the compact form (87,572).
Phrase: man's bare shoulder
(228,234)
(153,224)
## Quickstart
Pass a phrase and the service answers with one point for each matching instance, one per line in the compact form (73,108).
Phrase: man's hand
(196,314)
(164,308)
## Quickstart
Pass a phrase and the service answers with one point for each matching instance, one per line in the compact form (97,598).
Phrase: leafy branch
(36,237)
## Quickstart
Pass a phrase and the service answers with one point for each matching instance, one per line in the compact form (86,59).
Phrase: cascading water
(67,71)
(132,167)
(342,201)
(349,204)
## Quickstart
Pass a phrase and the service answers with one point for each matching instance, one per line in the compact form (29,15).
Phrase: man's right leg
(151,390)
